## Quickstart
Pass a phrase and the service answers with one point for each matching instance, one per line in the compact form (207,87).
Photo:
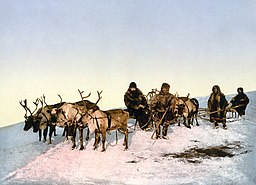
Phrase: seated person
(136,104)
(239,102)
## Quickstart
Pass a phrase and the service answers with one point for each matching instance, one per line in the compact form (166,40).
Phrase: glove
(141,106)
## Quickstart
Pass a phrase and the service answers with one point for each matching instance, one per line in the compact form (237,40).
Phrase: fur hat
(133,85)
(217,87)
(165,85)
(240,89)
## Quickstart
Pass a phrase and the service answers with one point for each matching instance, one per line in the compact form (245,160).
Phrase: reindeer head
(178,107)
(58,115)
(30,121)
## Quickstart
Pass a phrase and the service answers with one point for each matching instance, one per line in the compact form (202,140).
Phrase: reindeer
(69,114)
(45,119)
(30,120)
(188,109)
(41,120)
(34,121)
(100,122)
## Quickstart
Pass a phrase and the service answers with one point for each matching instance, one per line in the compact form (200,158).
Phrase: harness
(109,119)
(185,104)
(108,116)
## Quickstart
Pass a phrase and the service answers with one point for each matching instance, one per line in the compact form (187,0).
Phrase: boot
(158,133)
(165,129)
(225,126)
(216,125)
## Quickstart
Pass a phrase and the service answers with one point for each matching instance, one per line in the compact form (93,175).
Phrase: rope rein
(209,113)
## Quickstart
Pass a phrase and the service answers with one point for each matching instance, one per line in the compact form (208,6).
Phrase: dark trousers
(164,123)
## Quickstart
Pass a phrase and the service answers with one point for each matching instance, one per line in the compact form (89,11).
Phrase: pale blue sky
(55,47)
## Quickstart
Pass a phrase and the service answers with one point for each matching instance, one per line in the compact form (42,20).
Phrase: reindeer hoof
(81,148)
(188,126)
(73,147)
(87,138)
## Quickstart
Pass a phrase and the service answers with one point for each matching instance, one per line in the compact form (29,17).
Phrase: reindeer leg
(126,139)
(74,137)
(103,141)
(40,134)
(81,138)
(197,124)
(179,123)
(87,135)
(186,123)
(189,122)
(97,139)
(135,124)
(45,133)
(55,133)
(65,130)
(192,119)
(52,128)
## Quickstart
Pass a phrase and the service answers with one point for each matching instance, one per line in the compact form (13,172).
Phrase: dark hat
(217,87)
(240,89)
(133,85)
(165,85)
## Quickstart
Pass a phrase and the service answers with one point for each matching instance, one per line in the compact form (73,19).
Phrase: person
(163,106)
(240,102)
(135,101)
(217,104)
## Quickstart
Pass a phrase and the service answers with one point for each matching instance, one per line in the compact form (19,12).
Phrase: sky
(56,47)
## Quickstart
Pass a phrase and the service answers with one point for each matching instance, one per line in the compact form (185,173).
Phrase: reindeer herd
(86,114)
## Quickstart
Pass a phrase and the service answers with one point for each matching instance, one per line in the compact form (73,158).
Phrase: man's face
(133,89)
(165,90)
(215,90)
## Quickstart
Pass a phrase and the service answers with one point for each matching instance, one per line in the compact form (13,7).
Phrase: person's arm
(209,103)
(126,100)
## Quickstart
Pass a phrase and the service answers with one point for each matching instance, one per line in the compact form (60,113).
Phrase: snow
(25,160)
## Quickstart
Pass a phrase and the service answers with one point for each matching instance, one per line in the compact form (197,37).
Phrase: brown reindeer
(41,119)
(188,109)
(101,122)
(70,114)
(44,118)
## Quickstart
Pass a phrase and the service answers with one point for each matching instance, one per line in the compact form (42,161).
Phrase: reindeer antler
(24,105)
(60,98)
(41,101)
(99,97)
(45,102)
(81,94)
(36,104)
(83,97)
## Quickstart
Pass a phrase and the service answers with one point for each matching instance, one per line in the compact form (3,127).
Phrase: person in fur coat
(217,104)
